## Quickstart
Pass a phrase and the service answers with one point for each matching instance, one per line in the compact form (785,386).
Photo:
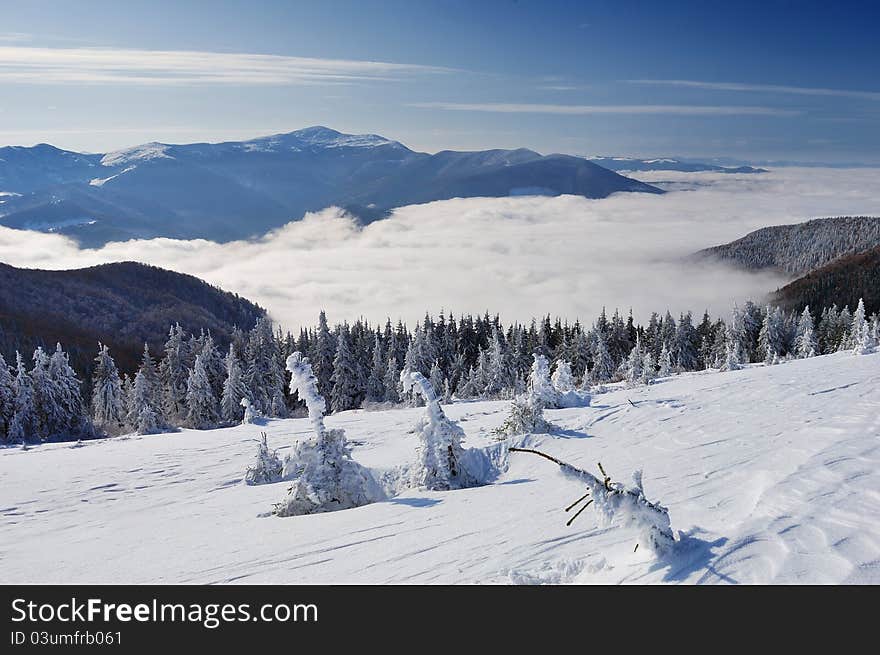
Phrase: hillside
(235,190)
(770,474)
(801,247)
(122,305)
(843,281)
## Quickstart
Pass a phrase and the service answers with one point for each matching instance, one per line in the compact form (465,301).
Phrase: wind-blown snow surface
(770,475)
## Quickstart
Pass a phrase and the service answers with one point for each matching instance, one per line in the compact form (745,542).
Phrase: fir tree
(806,340)
(108,408)
(7,399)
(24,425)
(234,389)
(202,410)
(344,393)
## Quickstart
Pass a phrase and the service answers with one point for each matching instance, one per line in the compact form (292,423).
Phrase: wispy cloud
(173,67)
(682,110)
(761,88)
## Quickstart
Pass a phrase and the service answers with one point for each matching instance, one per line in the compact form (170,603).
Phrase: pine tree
(24,425)
(344,393)
(174,374)
(107,402)
(806,340)
(392,378)
(375,392)
(860,332)
(603,365)
(234,389)
(202,410)
(7,399)
(439,466)
(635,364)
(74,420)
(143,417)
(498,375)
(49,415)
(437,380)
(562,379)
(665,369)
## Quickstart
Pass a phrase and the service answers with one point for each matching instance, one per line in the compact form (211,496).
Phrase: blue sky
(767,80)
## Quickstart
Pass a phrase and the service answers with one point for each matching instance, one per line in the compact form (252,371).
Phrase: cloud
(678,110)
(14,37)
(33,65)
(521,257)
(761,88)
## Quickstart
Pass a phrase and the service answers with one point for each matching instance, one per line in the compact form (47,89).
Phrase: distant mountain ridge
(123,305)
(240,189)
(844,281)
(626,164)
(801,247)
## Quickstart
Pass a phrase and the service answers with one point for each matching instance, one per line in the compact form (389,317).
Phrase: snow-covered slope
(770,475)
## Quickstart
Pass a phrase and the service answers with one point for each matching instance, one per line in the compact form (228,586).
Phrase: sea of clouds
(520,257)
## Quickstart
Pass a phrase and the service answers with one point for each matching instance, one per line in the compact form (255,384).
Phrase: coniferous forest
(193,383)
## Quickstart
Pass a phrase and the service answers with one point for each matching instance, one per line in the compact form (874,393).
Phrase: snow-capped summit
(141,153)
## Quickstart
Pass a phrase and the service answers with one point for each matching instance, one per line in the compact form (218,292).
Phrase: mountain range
(829,260)
(241,189)
(629,164)
(122,305)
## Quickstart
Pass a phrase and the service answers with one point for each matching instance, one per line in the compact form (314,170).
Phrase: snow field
(771,475)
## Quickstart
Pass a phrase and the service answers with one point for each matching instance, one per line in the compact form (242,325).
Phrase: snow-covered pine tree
(805,343)
(234,389)
(24,425)
(7,399)
(562,379)
(499,377)
(439,466)
(539,384)
(392,378)
(267,466)
(375,392)
(127,403)
(648,368)
(665,366)
(603,365)
(75,421)
(250,414)
(108,409)
(202,408)
(732,353)
(634,366)
(173,374)
(770,338)
(143,417)
(860,332)
(437,379)
(344,393)
(325,477)
(50,419)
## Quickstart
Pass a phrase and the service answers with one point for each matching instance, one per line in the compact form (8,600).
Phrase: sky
(567,255)
(778,80)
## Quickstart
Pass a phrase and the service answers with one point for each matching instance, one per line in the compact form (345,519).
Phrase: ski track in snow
(771,475)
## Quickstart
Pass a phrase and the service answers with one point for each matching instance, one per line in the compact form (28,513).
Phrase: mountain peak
(141,153)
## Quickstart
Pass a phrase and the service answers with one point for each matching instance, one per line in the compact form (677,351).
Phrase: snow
(771,474)
(101,181)
(141,153)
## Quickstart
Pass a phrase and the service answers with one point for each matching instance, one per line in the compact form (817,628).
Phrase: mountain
(122,305)
(668,164)
(801,247)
(843,281)
(235,190)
